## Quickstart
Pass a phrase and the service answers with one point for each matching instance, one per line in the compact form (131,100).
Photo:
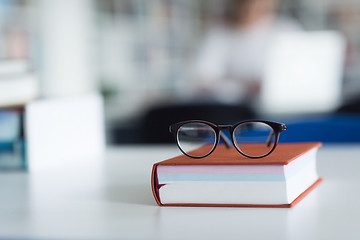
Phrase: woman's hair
(239,11)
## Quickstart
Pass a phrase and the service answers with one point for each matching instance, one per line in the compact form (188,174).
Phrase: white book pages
(224,192)
(303,179)
(242,188)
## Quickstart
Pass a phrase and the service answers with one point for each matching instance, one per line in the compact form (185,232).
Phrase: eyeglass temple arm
(268,141)
(227,141)
(283,128)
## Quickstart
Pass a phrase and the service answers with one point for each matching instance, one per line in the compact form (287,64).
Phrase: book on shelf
(227,178)
(18,85)
(12,141)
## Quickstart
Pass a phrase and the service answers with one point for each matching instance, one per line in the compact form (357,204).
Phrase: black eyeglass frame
(277,129)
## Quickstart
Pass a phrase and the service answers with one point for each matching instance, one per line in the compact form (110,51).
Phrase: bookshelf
(146,48)
(18,79)
(48,54)
(16,28)
(18,87)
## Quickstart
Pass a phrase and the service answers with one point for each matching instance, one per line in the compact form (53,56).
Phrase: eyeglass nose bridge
(224,127)
(223,136)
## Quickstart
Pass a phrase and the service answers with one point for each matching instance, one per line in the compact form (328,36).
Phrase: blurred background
(160,61)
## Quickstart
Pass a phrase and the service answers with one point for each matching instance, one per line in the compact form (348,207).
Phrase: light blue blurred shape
(9,125)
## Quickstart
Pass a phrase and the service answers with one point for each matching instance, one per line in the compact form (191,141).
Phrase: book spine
(155,185)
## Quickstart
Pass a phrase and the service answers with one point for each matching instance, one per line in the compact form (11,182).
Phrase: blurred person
(230,62)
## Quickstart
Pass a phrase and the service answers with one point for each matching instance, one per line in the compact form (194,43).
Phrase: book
(12,155)
(17,90)
(18,83)
(227,178)
(10,124)
(12,141)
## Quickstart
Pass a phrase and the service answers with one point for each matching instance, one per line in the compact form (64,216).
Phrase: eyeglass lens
(254,138)
(196,139)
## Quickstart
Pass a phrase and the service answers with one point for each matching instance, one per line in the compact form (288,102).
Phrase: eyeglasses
(252,138)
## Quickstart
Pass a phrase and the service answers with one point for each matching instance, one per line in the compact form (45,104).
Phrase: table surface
(111,198)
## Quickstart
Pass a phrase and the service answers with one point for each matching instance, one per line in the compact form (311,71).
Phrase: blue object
(10,122)
(12,155)
(326,128)
(334,128)
(12,141)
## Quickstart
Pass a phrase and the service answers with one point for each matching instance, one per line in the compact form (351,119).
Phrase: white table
(112,199)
